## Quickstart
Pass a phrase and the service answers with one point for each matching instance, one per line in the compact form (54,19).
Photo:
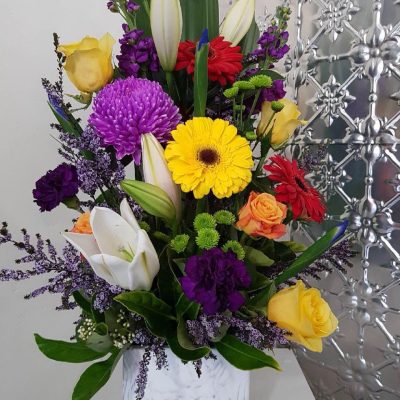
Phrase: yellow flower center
(208,156)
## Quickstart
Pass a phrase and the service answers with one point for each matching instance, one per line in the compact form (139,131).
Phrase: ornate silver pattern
(345,71)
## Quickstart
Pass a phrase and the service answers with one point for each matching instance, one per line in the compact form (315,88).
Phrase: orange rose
(262,216)
(82,225)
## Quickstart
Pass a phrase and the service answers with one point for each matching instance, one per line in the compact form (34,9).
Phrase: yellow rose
(283,123)
(303,313)
(88,62)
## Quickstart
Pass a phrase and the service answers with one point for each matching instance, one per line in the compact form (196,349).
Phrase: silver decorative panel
(346,74)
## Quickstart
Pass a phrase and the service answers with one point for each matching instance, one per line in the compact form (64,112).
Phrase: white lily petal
(84,243)
(116,268)
(112,233)
(166,28)
(127,215)
(238,21)
(156,172)
(146,264)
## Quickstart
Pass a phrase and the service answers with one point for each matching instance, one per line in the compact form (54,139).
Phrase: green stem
(241,112)
(253,106)
(146,7)
(172,90)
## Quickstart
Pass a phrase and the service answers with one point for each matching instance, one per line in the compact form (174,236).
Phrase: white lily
(166,28)
(119,251)
(238,20)
(156,172)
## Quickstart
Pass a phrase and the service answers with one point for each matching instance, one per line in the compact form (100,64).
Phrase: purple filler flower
(272,45)
(214,280)
(126,109)
(275,92)
(137,53)
(56,186)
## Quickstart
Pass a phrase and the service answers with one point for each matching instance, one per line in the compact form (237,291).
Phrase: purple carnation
(126,109)
(137,53)
(214,280)
(56,186)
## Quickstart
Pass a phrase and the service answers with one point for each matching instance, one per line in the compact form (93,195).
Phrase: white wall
(26,152)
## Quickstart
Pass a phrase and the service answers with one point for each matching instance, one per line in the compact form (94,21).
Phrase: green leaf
(82,302)
(143,17)
(180,262)
(312,253)
(243,356)
(95,377)
(67,351)
(294,246)
(260,301)
(68,124)
(157,314)
(283,252)
(100,340)
(185,354)
(186,307)
(257,257)
(201,81)
(198,15)
(249,42)
(272,74)
(183,336)
(258,280)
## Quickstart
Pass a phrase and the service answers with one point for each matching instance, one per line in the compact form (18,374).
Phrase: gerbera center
(300,184)
(208,156)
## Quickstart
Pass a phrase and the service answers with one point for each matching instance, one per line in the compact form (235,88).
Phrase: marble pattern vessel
(219,380)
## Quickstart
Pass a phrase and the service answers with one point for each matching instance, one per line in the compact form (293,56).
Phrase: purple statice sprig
(156,349)
(258,332)
(70,272)
(336,257)
(97,168)
(138,54)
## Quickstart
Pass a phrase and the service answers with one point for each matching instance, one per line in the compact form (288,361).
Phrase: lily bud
(156,172)
(151,198)
(166,27)
(238,21)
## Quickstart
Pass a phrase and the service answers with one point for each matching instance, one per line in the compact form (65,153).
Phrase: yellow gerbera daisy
(209,155)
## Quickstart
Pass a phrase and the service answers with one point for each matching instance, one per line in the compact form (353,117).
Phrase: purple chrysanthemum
(214,279)
(138,53)
(126,109)
(56,186)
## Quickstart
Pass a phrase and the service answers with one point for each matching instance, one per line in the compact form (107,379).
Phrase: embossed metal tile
(346,74)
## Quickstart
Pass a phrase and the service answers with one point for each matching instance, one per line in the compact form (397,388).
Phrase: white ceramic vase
(219,380)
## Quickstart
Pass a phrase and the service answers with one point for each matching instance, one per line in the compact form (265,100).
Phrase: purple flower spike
(126,109)
(138,53)
(56,186)
(214,280)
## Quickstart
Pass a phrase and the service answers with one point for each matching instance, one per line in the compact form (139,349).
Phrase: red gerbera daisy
(292,188)
(224,61)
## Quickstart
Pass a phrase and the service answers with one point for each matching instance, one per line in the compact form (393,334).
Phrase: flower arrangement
(191,254)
